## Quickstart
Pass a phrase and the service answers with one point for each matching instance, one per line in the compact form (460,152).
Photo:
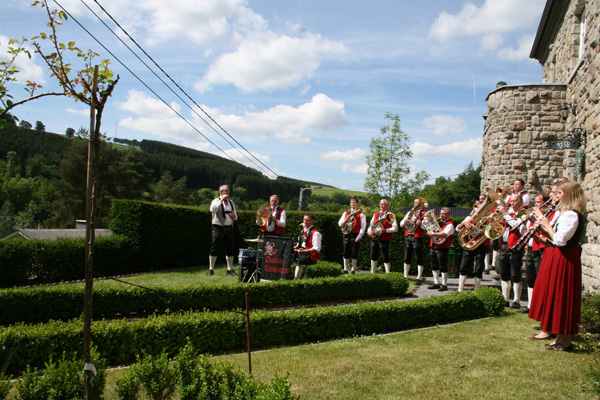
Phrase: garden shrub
(590,312)
(5,386)
(127,386)
(119,341)
(323,269)
(66,301)
(156,379)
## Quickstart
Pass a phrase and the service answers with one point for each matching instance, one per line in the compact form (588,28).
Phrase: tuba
(430,224)
(411,220)
(350,220)
(378,225)
(486,222)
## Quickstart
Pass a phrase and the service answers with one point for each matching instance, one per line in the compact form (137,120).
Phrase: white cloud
(286,123)
(84,111)
(270,62)
(520,53)
(445,125)
(359,169)
(468,149)
(493,18)
(244,158)
(337,155)
(28,70)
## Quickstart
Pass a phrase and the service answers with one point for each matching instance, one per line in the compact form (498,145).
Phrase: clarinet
(525,238)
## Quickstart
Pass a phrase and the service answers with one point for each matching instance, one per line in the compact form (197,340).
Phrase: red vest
(385,225)
(448,243)
(356,223)
(308,242)
(419,232)
(513,236)
(278,229)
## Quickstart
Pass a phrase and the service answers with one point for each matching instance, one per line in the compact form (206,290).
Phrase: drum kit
(250,261)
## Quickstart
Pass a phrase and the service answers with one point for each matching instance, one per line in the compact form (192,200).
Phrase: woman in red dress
(556,300)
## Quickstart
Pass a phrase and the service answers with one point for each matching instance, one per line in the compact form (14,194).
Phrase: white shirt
(215,207)
(280,222)
(393,229)
(316,239)
(566,227)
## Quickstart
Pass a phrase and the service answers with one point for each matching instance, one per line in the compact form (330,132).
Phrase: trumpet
(378,228)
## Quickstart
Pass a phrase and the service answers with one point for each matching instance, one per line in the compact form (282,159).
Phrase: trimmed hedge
(25,262)
(66,302)
(120,341)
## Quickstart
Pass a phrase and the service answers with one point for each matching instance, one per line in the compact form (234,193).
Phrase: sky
(303,85)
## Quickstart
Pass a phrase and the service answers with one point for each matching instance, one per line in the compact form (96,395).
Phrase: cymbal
(257,240)
(262,216)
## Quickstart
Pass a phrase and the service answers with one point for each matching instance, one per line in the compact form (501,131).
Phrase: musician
(556,302)
(223,214)
(383,242)
(476,256)
(309,245)
(413,242)
(533,252)
(511,262)
(438,254)
(519,188)
(352,239)
(276,217)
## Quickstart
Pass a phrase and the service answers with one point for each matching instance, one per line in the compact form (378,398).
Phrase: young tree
(39,126)
(25,125)
(389,174)
(70,132)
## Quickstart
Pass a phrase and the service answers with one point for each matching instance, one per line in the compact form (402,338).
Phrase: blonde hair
(573,197)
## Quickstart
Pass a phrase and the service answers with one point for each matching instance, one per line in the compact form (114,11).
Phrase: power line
(141,81)
(175,83)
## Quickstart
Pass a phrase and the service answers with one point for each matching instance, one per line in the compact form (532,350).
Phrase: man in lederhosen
(223,215)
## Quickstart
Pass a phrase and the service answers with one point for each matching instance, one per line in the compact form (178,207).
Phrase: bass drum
(249,261)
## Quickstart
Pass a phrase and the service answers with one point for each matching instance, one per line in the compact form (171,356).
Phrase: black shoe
(507,305)
(418,282)
(434,286)
(537,328)
(210,272)
(231,272)
(344,271)
(516,305)
(560,347)
(352,272)
(524,310)
(443,288)
(487,271)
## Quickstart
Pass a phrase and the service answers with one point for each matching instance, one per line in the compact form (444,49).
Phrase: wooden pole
(89,242)
(248,335)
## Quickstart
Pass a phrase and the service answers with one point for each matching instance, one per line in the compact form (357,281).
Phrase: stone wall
(520,122)
(583,92)
(513,114)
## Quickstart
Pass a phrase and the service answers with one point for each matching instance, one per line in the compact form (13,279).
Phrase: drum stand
(254,275)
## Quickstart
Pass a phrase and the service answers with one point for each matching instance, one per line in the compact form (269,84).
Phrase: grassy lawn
(489,358)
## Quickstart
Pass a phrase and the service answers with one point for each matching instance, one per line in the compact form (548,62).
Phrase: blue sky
(303,85)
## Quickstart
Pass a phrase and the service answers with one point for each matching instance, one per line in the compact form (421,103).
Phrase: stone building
(542,131)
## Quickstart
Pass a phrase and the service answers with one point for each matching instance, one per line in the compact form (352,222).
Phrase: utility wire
(173,81)
(142,82)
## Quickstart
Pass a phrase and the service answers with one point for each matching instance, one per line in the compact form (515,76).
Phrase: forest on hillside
(43,180)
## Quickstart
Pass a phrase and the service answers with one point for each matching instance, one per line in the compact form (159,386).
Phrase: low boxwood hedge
(66,301)
(120,341)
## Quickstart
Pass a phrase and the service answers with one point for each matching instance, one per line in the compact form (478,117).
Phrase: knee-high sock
(374,266)
(298,272)
(229,262)
(461,282)
(477,283)
(529,296)
(505,290)
(420,270)
(406,270)
(388,267)
(436,276)
(445,278)
(517,288)
(212,261)
(354,264)
(346,262)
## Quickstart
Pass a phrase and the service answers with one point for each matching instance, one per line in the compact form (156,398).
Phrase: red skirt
(556,299)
